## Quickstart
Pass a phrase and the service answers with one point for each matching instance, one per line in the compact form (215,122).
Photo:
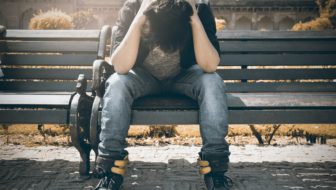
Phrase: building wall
(241,14)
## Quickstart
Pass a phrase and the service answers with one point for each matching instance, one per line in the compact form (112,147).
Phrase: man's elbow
(118,66)
(121,70)
(212,66)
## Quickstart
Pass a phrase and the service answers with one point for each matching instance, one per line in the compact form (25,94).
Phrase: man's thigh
(194,79)
(137,81)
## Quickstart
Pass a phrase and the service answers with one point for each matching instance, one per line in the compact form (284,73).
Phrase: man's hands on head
(125,55)
(193,5)
(140,18)
(194,18)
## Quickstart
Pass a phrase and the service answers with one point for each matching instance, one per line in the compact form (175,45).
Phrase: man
(164,45)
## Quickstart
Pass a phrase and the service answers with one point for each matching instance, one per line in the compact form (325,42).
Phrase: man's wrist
(139,21)
(195,20)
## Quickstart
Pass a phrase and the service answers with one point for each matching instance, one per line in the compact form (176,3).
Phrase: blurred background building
(237,14)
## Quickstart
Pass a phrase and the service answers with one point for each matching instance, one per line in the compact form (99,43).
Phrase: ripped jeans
(206,88)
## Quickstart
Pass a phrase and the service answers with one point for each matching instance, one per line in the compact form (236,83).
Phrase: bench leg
(80,113)
(94,126)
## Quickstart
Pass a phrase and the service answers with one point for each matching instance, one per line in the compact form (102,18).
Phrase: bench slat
(277,59)
(32,73)
(57,60)
(275,35)
(276,74)
(58,116)
(237,117)
(268,46)
(34,100)
(282,87)
(67,86)
(53,35)
(231,87)
(51,46)
(242,101)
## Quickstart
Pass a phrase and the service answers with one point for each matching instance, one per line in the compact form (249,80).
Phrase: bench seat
(35,108)
(238,101)
(252,108)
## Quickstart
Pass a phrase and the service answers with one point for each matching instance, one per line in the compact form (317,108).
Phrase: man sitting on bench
(164,46)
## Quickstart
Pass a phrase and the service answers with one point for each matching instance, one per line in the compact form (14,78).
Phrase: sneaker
(217,181)
(110,183)
(110,171)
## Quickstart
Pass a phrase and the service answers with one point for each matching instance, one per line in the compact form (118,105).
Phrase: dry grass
(325,21)
(84,20)
(51,20)
(220,24)
(316,25)
(30,135)
(181,130)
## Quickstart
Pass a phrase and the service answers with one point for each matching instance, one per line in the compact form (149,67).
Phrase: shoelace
(222,180)
(104,182)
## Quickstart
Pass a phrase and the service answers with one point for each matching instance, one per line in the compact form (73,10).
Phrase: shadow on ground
(178,174)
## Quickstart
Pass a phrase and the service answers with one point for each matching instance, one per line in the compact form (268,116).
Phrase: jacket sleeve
(209,24)
(124,20)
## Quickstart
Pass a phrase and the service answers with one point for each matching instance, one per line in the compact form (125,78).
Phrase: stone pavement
(173,168)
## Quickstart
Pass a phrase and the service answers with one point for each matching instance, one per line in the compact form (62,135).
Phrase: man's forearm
(206,55)
(124,57)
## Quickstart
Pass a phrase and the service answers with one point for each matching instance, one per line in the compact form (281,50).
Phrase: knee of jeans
(212,82)
(117,83)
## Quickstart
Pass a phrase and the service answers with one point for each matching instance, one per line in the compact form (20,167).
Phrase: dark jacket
(129,11)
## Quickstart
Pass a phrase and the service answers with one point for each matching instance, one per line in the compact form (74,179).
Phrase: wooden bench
(40,69)
(274,77)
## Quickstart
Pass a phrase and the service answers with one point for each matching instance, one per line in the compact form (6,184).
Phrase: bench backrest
(49,60)
(278,61)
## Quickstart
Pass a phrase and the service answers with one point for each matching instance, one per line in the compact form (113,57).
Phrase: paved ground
(173,168)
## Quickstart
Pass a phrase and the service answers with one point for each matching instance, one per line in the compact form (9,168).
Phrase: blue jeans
(206,88)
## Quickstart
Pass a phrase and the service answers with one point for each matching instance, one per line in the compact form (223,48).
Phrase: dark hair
(169,24)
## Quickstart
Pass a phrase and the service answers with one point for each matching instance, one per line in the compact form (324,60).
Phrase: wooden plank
(31,100)
(274,35)
(53,34)
(16,86)
(313,116)
(50,59)
(276,74)
(277,59)
(271,46)
(282,87)
(281,100)
(8,116)
(51,46)
(50,73)
(69,86)
(243,101)
(237,117)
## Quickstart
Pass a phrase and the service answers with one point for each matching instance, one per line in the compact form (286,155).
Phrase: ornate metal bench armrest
(101,71)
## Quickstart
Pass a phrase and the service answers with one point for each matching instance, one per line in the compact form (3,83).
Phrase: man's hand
(140,17)
(193,5)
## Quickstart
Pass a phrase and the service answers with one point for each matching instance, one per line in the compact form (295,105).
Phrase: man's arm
(125,55)
(206,54)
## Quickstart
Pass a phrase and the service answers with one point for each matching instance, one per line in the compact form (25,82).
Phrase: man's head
(168,24)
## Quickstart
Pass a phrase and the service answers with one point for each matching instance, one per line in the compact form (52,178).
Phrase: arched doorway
(2,20)
(243,23)
(286,23)
(265,23)
(25,18)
